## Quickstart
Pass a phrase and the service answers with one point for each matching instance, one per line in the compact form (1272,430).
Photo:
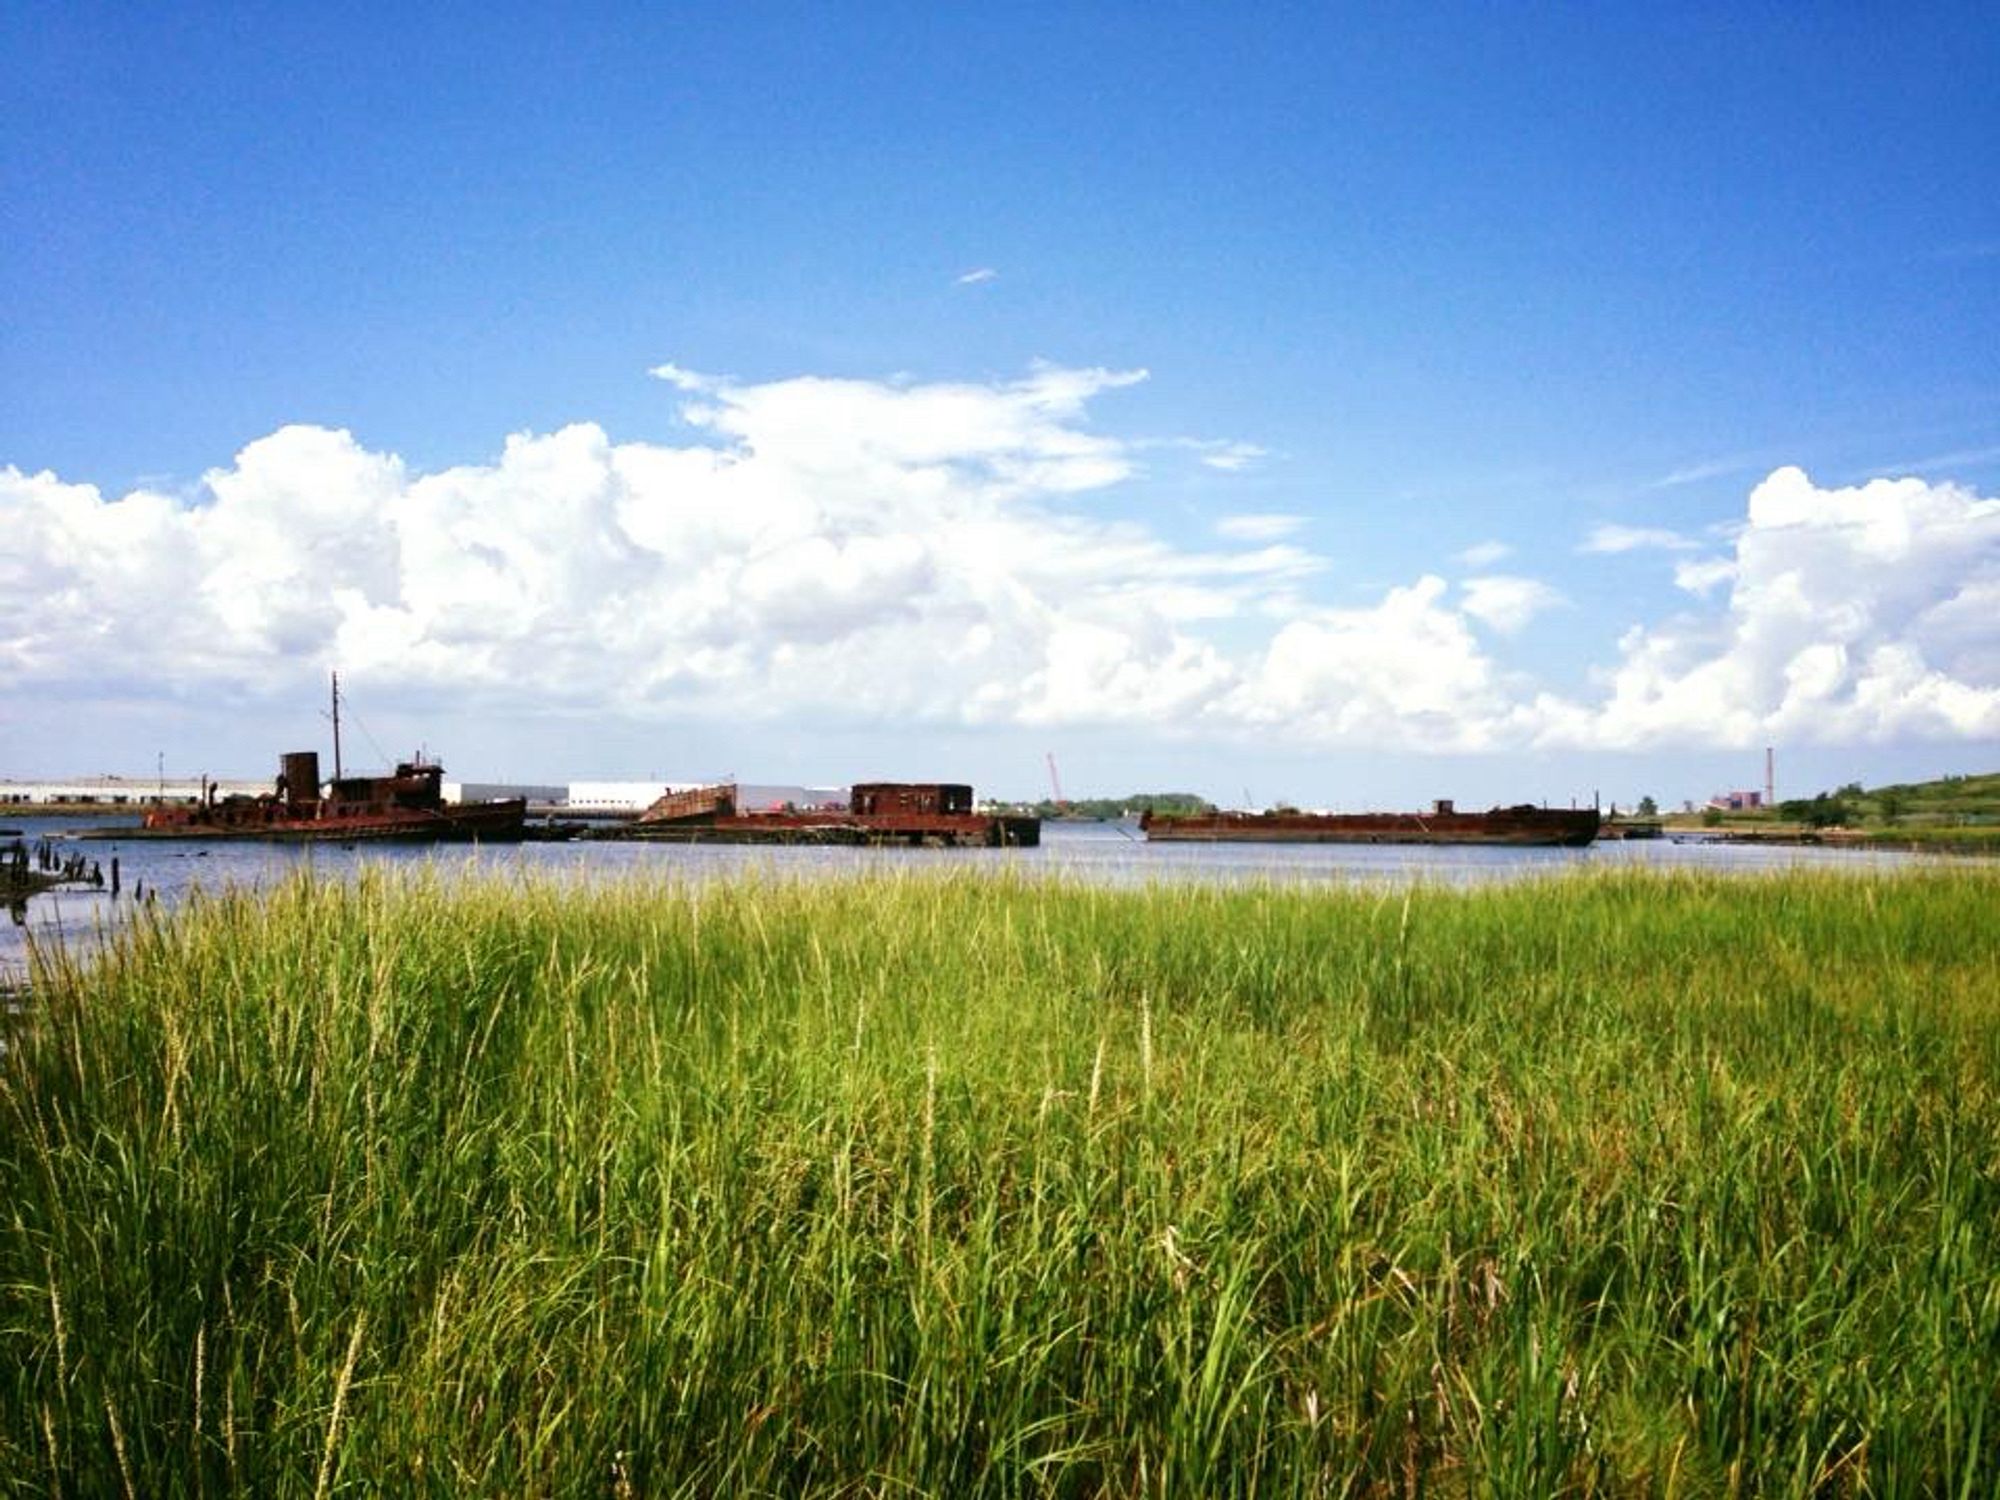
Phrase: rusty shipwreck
(407,805)
(1523,825)
(919,814)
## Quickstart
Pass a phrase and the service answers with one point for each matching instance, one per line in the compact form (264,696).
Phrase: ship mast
(336,726)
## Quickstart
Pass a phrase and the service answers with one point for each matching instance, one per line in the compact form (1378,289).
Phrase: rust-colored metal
(1523,825)
(878,812)
(871,799)
(298,778)
(692,803)
(408,804)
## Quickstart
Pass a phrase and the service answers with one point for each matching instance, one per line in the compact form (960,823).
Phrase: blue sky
(1404,285)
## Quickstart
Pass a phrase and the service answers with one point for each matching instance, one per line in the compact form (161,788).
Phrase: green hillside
(1951,811)
(1950,799)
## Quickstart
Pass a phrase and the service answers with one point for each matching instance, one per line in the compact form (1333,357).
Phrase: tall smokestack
(1770,777)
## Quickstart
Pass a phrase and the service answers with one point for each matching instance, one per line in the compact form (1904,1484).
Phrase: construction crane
(1055,780)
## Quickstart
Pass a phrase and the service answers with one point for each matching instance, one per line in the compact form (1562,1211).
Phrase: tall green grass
(965,1186)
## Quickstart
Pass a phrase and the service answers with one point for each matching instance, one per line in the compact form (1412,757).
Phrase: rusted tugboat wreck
(407,805)
(920,814)
(1444,824)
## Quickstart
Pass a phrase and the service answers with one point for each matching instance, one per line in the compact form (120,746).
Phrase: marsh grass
(969,1185)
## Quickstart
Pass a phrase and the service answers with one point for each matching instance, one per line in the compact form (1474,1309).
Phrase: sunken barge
(1522,826)
(913,814)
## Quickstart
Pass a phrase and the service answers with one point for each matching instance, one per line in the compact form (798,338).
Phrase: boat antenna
(336,726)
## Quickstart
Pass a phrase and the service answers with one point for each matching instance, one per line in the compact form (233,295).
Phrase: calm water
(1107,853)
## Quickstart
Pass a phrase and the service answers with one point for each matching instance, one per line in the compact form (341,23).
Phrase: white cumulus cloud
(1407,672)
(1865,613)
(1506,603)
(1702,575)
(872,551)
(902,554)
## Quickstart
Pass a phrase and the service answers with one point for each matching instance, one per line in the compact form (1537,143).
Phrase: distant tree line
(1108,808)
(1826,810)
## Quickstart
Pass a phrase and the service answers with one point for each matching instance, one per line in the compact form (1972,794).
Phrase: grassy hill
(1951,811)
(1950,799)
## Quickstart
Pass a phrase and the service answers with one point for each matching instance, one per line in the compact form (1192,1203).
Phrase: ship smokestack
(299,770)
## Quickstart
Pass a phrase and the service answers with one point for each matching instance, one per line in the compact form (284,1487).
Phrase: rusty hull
(408,804)
(919,814)
(1521,826)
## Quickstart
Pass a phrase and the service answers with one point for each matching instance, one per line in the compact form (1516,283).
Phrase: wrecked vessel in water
(921,814)
(408,805)
(1522,826)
